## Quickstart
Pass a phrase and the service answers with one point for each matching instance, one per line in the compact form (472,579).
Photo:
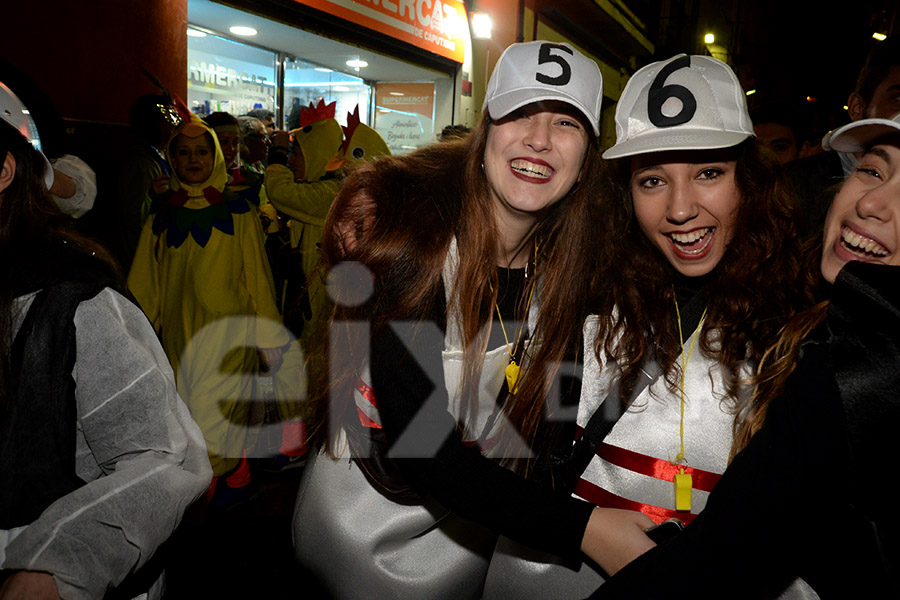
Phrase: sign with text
(438,26)
(404,115)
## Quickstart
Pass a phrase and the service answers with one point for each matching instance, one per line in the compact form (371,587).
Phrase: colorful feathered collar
(178,221)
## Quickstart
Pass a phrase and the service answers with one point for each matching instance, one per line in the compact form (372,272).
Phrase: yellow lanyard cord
(684,363)
(512,354)
(512,369)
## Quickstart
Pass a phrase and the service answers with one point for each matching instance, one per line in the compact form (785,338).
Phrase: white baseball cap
(539,70)
(684,103)
(861,135)
(13,112)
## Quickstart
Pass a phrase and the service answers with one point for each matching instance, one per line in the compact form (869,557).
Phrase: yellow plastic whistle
(683,486)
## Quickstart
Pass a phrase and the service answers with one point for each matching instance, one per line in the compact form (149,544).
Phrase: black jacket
(812,495)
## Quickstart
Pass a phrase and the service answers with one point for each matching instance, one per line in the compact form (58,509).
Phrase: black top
(812,494)
(815,179)
(38,410)
(408,382)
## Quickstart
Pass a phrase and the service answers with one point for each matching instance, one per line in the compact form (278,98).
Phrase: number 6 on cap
(659,93)
(709,106)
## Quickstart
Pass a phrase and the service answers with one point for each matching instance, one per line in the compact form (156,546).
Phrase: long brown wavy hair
(397,217)
(780,359)
(753,291)
(31,227)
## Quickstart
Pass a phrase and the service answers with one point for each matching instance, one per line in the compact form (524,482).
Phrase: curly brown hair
(757,286)
(781,358)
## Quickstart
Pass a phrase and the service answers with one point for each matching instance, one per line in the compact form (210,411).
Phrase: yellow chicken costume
(201,275)
(306,200)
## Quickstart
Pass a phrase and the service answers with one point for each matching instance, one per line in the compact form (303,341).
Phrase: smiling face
(863,222)
(532,158)
(193,158)
(686,204)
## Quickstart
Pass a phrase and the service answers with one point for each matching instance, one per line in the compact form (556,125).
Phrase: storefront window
(404,114)
(224,75)
(306,83)
(407,103)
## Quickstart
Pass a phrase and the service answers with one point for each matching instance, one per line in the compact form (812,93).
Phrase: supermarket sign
(439,26)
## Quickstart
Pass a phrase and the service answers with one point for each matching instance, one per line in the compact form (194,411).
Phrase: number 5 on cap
(545,56)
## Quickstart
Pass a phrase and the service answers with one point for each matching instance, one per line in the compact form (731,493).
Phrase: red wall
(87,56)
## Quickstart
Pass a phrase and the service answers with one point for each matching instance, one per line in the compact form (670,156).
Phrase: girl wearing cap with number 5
(704,275)
(474,286)
(812,494)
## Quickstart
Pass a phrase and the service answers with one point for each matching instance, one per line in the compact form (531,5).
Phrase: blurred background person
(266,116)
(255,143)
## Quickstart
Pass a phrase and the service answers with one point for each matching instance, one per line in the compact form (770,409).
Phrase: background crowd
(183,305)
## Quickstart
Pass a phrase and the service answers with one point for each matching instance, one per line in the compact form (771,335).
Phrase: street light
(709,38)
(481,26)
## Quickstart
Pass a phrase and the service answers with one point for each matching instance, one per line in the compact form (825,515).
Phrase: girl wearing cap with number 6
(813,493)
(704,275)
(475,279)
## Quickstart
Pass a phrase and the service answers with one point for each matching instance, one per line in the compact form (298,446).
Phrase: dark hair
(881,58)
(753,291)
(782,114)
(146,116)
(397,216)
(452,132)
(31,227)
(261,113)
(221,119)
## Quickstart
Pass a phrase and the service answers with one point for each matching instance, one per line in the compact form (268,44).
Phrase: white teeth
(689,238)
(862,244)
(531,169)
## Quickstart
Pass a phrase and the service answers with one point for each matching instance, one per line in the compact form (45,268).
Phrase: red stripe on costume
(366,390)
(365,420)
(597,495)
(369,394)
(655,467)
(652,467)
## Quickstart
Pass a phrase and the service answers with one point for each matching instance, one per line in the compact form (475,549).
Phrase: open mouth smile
(692,245)
(861,246)
(525,169)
